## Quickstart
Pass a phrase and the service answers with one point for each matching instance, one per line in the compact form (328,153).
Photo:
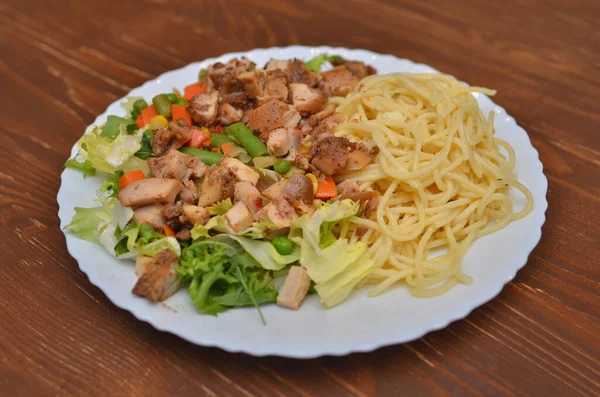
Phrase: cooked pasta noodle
(442,176)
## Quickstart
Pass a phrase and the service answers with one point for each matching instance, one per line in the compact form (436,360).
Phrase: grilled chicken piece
(338,81)
(160,280)
(334,154)
(142,263)
(196,215)
(177,165)
(371,207)
(173,136)
(275,87)
(307,100)
(271,115)
(317,118)
(295,69)
(239,217)
(357,68)
(294,288)
(253,82)
(275,189)
(299,193)
(203,107)
(326,126)
(241,171)
(282,140)
(228,114)
(218,185)
(149,191)
(247,193)
(150,214)
(279,212)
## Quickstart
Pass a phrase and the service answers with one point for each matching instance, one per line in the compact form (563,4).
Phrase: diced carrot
(327,189)
(148,113)
(168,231)
(192,90)
(129,177)
(140,121)
(199,138)
(227,148)
(180,112)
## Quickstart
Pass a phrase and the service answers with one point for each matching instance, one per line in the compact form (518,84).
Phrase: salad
(232,184)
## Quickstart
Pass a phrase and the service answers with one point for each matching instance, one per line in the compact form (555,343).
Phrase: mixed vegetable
(232,184)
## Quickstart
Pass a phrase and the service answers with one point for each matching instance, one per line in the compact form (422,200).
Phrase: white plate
(361,323)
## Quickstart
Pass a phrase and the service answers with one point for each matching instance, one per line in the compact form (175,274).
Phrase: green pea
(162,104)
(182,102)
(282,167)
(139,105)
(283,245)
(172,98)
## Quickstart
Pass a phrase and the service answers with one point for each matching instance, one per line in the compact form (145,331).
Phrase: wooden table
(61,65)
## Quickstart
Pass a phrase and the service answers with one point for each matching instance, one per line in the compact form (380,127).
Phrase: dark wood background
(63,62)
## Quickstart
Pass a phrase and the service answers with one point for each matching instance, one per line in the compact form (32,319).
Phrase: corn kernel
(158,121)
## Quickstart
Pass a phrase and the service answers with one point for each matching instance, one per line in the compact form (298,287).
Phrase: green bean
(244,135)
(283,245)
(218,139)
(172,98)
(202,73)
(139,105)
(207,157)
(182,102)
(282,167)
(162,104)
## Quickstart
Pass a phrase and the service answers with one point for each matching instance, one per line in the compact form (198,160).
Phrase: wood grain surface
(63,62)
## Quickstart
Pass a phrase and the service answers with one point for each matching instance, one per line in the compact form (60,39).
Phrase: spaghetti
(442,175)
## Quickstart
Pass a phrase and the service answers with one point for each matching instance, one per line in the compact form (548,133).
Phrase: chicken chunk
(160,279)
(218,185)
(241,171)
(173,136)
(275,87)
(357,68)
(149,191)
(177,165)
(295,69)
(247,193)
(196,215)
(150,214)
(275,189)
(203,107)
(253,82)
(307,100)
(338,81)
(271,115)
(334,154)
(239,217)
(279,212)
(142,263)
(294,289)
(282,140)
(326,126)
(228,114)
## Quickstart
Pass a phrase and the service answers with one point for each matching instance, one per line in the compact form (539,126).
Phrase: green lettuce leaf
(109,155)
(222,277)
(87,223)
(316,63)
(113,126)
(218,223)
(262,251)
(145,151)
(86,167)
(110,186)
(221,207)
(127,104)
(333,264)
(141,239)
